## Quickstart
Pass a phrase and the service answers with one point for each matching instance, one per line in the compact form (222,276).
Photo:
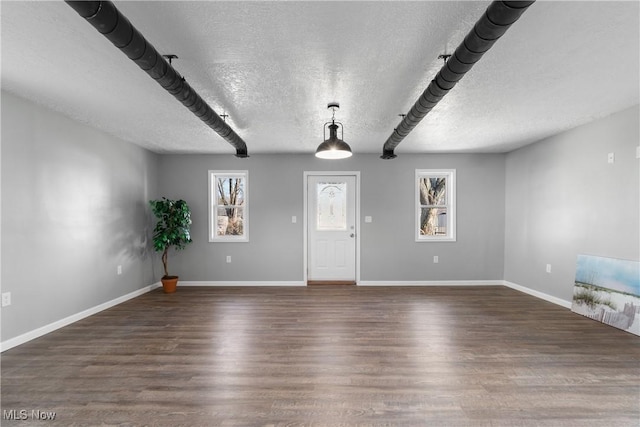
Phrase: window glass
(332,206)
(435,202)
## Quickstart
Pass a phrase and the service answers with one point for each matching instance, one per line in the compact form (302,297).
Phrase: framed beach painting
(608,290)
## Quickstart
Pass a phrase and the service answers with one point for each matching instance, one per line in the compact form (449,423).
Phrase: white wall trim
(26,337)
(431,283)
(538,294)
(450,195)
(21,339)
(213,176)
(550,298)
(240,283)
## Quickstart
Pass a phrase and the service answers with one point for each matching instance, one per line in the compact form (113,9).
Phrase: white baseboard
(431,283)
(21,339)
(240,283)
(538,294)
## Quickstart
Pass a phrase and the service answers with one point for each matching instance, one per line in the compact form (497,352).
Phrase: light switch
(294,219)
(368,219)
(611,157)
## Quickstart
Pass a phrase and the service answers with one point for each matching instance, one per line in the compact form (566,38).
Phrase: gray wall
(73,209)
(388,248)
(563,199)
(74,206)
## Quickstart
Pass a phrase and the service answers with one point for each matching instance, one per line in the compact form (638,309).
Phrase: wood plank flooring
(328,356)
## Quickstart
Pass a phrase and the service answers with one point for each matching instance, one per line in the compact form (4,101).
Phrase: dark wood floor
(329,356)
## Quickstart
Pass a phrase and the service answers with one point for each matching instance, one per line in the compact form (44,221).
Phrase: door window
(332,206)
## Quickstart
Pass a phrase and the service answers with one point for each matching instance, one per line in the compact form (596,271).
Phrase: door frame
(305,214)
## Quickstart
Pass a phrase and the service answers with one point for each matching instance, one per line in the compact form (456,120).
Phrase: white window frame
(450,204)
(213,205)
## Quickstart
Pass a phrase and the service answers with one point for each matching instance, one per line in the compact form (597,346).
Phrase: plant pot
(169,284)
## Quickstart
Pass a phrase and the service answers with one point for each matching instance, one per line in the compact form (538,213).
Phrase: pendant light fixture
(334,147)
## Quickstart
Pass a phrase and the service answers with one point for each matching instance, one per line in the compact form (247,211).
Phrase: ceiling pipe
(490,27)
(108,20)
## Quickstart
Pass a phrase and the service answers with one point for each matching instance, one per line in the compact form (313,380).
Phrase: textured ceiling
(274,66)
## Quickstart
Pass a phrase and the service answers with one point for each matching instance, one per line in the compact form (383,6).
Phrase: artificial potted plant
(172,229)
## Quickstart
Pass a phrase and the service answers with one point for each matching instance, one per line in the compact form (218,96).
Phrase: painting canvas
(608,290)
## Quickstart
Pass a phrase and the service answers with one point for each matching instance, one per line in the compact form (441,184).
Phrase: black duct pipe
(490,27)
(108,20)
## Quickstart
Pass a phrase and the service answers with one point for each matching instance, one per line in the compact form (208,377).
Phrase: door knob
(353,235)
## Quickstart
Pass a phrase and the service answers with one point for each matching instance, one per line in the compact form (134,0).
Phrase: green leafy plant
(172,228)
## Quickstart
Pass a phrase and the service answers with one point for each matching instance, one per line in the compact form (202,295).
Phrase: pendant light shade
(334,147)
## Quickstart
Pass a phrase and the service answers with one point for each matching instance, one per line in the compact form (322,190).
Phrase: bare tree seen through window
(230,206)
(433,209)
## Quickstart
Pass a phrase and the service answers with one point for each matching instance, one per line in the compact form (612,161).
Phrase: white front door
(331,227)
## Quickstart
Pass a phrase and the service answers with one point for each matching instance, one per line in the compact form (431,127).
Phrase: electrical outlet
(368,219)
(548,268)
(294,219)
(228,259)
(119,270)
(6,299)
(436,259)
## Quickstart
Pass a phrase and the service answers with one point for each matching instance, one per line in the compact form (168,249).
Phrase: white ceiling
(274,66)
